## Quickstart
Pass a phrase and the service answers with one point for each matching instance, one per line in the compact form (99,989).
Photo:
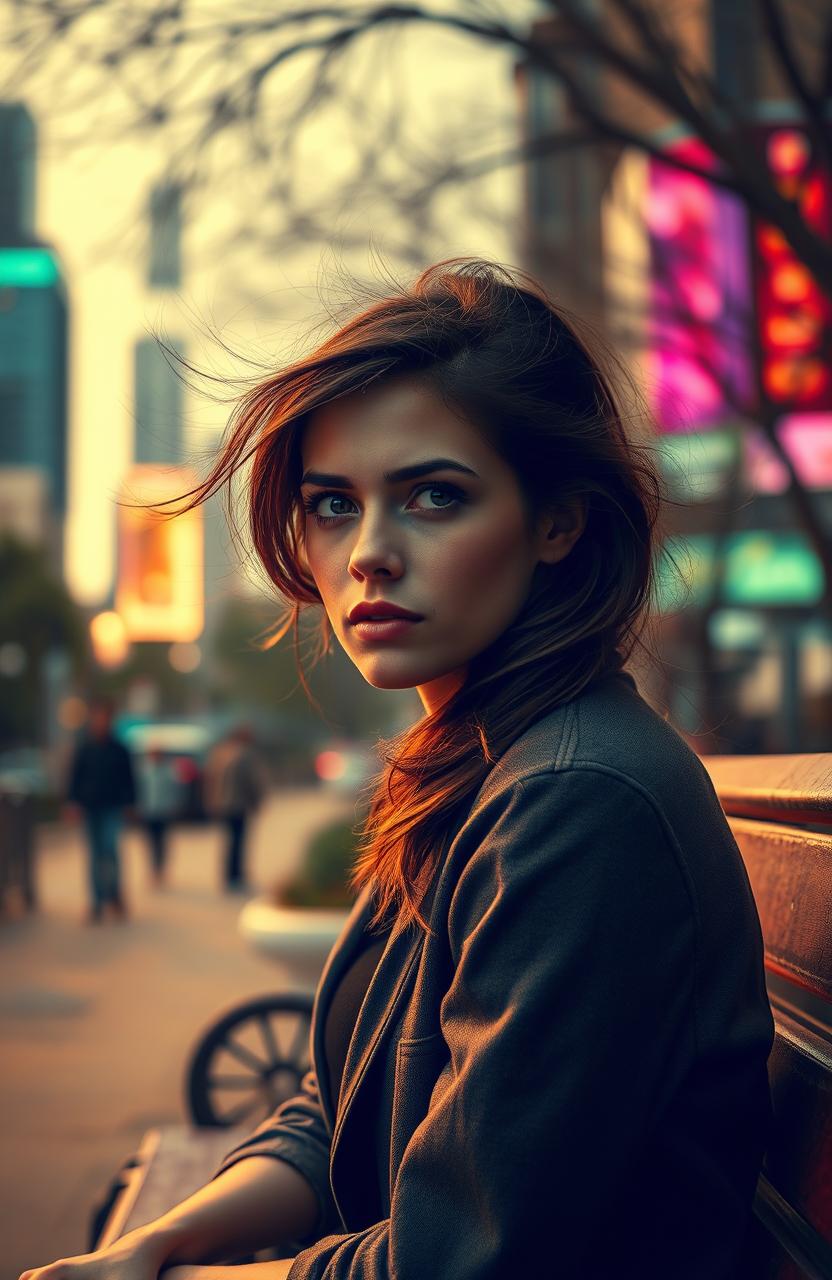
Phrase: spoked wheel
(249,1061)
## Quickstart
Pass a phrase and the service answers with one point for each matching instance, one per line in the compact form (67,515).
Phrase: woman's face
(450,544)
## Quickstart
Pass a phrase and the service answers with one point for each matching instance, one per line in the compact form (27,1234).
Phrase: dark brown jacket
(568,1079)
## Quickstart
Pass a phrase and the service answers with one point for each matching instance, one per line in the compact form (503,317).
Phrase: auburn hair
(491,343)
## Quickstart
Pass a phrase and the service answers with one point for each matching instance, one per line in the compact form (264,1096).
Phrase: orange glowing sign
(159,594)
(794,315)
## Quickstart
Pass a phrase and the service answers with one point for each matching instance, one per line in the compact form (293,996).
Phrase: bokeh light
(109,639)
(184,656)
(72,712)
(788,153)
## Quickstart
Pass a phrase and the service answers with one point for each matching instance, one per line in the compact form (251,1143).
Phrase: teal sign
(27,269)
(696,465)
(760,568)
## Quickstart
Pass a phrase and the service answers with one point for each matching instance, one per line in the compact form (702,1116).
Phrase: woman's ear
(560,528)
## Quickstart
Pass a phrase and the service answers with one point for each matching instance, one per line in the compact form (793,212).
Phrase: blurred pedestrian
(234,784)
(101,788)
(159,795)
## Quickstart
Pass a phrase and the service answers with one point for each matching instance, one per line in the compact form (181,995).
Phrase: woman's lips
(388,629)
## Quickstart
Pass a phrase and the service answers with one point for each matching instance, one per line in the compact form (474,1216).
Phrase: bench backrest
(780,810)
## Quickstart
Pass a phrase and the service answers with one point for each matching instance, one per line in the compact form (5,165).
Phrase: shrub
(322,879)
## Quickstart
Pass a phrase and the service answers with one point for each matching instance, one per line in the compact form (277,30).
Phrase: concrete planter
(300,938)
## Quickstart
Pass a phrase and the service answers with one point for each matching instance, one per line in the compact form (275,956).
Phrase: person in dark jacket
(101,787)
(539,1045)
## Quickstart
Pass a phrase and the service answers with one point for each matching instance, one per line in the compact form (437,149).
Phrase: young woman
(539,1045)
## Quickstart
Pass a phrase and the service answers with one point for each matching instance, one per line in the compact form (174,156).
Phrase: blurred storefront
(740,387)
(729,338)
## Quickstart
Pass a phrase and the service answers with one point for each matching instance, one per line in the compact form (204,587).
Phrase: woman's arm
(258,1202)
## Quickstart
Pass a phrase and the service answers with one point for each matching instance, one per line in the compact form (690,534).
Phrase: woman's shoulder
(607,774)
(612,732)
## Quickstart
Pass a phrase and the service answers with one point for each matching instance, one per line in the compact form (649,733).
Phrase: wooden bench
(780,810)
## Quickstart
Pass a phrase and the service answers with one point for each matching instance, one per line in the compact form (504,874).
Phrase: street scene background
(190,199)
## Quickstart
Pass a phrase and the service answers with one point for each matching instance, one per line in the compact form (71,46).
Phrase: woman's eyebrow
(391,477)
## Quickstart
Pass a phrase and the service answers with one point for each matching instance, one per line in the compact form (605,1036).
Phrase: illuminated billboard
(159,593)
(724,299)
(794,315)
(760,568)
(698,465)
(699,367)
(806,438)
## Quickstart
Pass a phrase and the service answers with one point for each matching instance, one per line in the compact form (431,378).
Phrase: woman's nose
(375,550)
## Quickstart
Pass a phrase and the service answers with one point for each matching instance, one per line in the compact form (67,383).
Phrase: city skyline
(88,198)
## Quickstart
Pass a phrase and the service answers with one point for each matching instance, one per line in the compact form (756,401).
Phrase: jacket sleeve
(297,1132)
(565,1032)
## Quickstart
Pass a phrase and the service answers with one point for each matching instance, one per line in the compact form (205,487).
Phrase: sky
(90,209)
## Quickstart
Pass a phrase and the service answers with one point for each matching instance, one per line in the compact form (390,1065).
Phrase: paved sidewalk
(96,1022)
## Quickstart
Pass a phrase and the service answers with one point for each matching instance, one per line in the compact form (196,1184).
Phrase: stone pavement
(96,1022)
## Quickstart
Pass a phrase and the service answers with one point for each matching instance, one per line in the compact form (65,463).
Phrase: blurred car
(23,772)
(184,745)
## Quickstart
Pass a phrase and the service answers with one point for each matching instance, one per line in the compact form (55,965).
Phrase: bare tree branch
(781,43)
(740,167)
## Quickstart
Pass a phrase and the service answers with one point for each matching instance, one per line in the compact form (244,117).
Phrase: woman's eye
(437,488)
(312,503)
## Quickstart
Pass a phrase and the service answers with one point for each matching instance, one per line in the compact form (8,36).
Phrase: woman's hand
(134,1257)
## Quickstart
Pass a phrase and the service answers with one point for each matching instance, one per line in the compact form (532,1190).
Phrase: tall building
(158,402)
(33,331)
(159,591)
(33,374)
(165,248)
(158,397)
(18,162)
(562,232)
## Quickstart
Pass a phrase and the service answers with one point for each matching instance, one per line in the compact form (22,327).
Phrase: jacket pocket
(418,1065)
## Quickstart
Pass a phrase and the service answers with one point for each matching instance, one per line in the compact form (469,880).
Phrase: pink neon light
(808,440)
(698,359)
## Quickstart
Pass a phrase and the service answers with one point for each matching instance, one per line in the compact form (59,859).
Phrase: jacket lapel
(353,1124)
(338,961)
(354,1160)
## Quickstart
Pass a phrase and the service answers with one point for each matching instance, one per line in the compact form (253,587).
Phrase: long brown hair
(490,342)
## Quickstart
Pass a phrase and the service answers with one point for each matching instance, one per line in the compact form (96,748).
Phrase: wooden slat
(799,1242)
(791,877)
(131,1178)
(799,1157)
(794,788)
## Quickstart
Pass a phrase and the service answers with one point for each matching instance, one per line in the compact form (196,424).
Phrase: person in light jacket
(539,1045)
(233,786)
(159,804)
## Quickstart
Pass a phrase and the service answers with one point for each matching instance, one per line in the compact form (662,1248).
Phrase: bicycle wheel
(249,1060)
